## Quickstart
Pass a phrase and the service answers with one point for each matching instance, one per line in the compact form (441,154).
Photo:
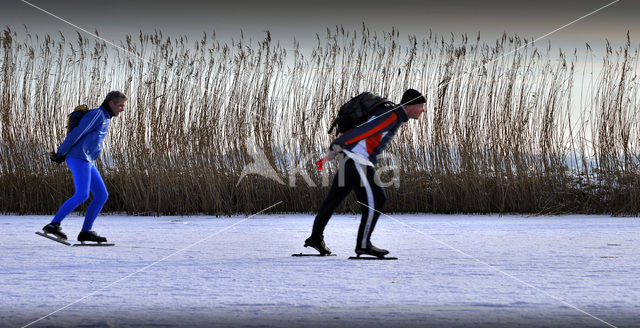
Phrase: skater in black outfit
(357,151)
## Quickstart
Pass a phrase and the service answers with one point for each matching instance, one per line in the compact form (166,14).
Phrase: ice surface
(246,276)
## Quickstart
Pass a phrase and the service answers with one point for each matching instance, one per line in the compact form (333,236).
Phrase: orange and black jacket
(372,137)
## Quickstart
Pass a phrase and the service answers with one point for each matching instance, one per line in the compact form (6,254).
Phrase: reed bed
(538,130)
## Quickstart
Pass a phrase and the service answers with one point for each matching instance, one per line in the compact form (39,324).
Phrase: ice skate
(375,252)
(54,229)
(318,244)
(91,236)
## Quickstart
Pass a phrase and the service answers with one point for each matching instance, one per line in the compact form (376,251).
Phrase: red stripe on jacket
(373,142)
(375,130)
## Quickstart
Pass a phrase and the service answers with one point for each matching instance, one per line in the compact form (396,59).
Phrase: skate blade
(54,238)
(318,255)
(94,244)
(371,258)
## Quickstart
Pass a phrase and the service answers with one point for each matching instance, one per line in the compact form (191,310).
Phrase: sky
(301,20)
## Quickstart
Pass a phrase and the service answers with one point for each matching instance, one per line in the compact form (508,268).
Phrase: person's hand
(331,154)
(333,151)
(57,158)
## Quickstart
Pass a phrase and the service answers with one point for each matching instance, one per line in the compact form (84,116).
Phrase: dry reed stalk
(501,136)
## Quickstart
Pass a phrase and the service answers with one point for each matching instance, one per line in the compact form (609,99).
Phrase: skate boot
(318,244)
(371,250)
(90,236)
(54,229)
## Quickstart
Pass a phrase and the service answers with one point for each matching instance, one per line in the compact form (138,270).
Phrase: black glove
(57,158)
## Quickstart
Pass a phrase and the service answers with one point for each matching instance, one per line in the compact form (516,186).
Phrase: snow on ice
(453,271)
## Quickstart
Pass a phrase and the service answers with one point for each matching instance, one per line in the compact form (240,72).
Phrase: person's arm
(89,121)
(378,125)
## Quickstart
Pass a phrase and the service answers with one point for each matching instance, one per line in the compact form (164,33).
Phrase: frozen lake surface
(453,271)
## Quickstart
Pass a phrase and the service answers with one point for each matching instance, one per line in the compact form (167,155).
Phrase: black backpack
(357,111)
(76,116)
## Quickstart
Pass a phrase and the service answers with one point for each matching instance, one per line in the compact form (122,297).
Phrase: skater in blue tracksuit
(80,149)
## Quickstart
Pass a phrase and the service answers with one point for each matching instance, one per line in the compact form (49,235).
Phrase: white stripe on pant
(370,202)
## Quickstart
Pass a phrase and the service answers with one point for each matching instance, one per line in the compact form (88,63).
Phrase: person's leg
(100,195)
(373,197)
(81,171)
(379,196)
(340,188)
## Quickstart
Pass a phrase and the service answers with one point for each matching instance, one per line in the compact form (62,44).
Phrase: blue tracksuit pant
(85,178)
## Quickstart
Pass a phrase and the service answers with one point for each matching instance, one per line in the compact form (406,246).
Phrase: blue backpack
(76,116)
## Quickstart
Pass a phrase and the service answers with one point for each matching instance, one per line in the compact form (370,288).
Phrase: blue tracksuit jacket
(85,141)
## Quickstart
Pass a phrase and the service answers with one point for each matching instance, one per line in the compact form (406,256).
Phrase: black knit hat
(412,97)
